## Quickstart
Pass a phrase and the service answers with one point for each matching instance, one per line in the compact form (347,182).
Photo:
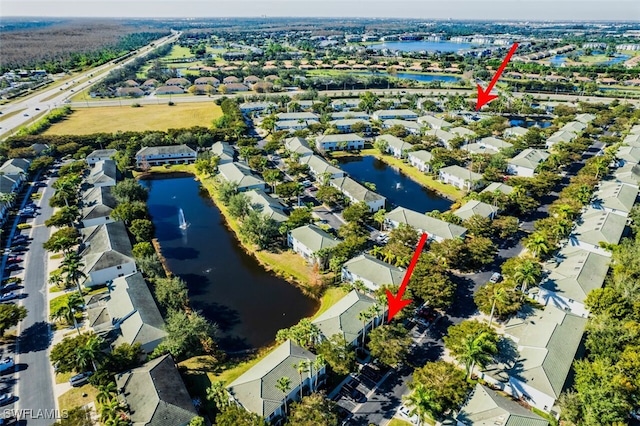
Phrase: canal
(229,286)
(399,189)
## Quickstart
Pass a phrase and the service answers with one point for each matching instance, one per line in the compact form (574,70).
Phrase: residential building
(498,187)
(463,132)
(298,116)
(625,155)
(345,104)
(308,240)
(155,394)
(460,177)
(436,229)
(267,205)
(585,118)
(526,162)
(632,140)
(18,167)
(387,114)
(574,127)
(40,148)
(476,208)
(350,115)
(106,253)
(223,151)
(319,167)
(177,81)
(346,125)
(596,227)
(629,174)
(242,176)
(100,155)
(358,193)
(343,318)
(615,197)
(127,314)
(486,407)
(410,126)
(97,205)
(372,272)
(234,87)
(247,107)
(515,132)
(559,137)
(570,276)
(212,81)
(441,135)
(169,90)
(298,146)
(169,154)
(293,125)
(493,144)
(434,122)
(347,141)
(103,173)
(256,389)
(547,342)
(395,146)
(420,160)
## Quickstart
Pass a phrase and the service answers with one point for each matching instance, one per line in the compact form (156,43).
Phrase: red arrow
(485,96)
(395,302)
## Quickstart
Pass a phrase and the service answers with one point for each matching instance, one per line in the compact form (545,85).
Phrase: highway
(25,111)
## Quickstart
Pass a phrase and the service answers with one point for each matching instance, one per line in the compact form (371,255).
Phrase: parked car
(12,267)
(427,314)
(80,379)
(8,296)
(14,259)
(7,364)
(496,277)
(6,398)
(405,413)
(20,238)
(306,183)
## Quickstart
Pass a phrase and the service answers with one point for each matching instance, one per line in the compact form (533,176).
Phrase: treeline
(67,46)
(45,122)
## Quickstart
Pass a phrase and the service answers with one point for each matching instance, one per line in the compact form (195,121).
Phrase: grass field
(85,121)
(178,52)
(76,397)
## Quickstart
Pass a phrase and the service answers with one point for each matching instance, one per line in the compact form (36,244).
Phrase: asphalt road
(34,380)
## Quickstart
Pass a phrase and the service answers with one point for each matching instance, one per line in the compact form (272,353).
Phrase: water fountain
(182,222)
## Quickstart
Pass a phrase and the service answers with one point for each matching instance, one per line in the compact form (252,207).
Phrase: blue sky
(421,9)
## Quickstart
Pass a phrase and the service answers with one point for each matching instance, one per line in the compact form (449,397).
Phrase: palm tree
(109,410)
(56,278)
(67,311)
(284,385)
(499,297)
(538,244)
(526,274)
(71,267)
(318,364)
(422,404)
(477,349)
(364,316)
(90,353)
(106,393)
(218,394)
(302,367)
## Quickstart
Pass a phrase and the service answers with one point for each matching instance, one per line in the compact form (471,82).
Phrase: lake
(399,189)
(419,46)
(229,286)
(424,77)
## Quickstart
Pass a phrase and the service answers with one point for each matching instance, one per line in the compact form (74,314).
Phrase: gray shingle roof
(442,135)
(629,174)
(434,121)
(616,196)
(462,173)
(102,153)
(495,143)
(421,155)
(314,238)
(223,150)
(165,150)
(395,142)
(629,154)
(319,165)
(475,207)
(430,225)
(350,114)
(295,116)
(15,166)
(486,407)
(404,123)
(156,394)
(104,171)
(578,272)
(547,341)
(239,173)
(599,226)
(342,317)
(395,113)
(256,389)
(298,145)
(267,205)
(97,202)
(344,137)
(529,158)
(354,190)
(497,186)
(462,131)
(347,122)
(374,270)
(106,246)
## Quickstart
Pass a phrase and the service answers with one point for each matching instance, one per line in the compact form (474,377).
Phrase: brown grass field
(85,121)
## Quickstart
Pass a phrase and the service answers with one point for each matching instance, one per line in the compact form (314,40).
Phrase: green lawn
(329,298)
(76,397)
(178,52)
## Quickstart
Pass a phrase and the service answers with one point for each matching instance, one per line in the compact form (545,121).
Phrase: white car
(6,398)
(405,413)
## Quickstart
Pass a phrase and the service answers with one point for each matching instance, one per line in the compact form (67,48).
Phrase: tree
(63,217)
(106,393)
(368,101)
(431,284)
(235,415)
(305,334)
(67,311)
(526,273)
(72,270)
(481,251)
(379,217)
(283,384)
(272,177)
(10,316)
(259,229)
(364,317)
(381,145)
(389,344)
(171,293)
(198,421)
(497,298)
(239,205)
(129,190)
(358,213)
(506,226)
(450,253)
(62,240)
(438,386)
(218,394)
(299,217)
(187,334)
(337,352)
(123,357)
(78,416)
(313,410)
(479,226)
(89,354)
(129,211)
(142,249)
(471,343)
(289,189)
(226,190)
(142,229)
(329,195)
(302,367)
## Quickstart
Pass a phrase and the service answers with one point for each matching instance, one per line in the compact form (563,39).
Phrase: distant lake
(419,46)
(425,77)
(229,286)
(399,189)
